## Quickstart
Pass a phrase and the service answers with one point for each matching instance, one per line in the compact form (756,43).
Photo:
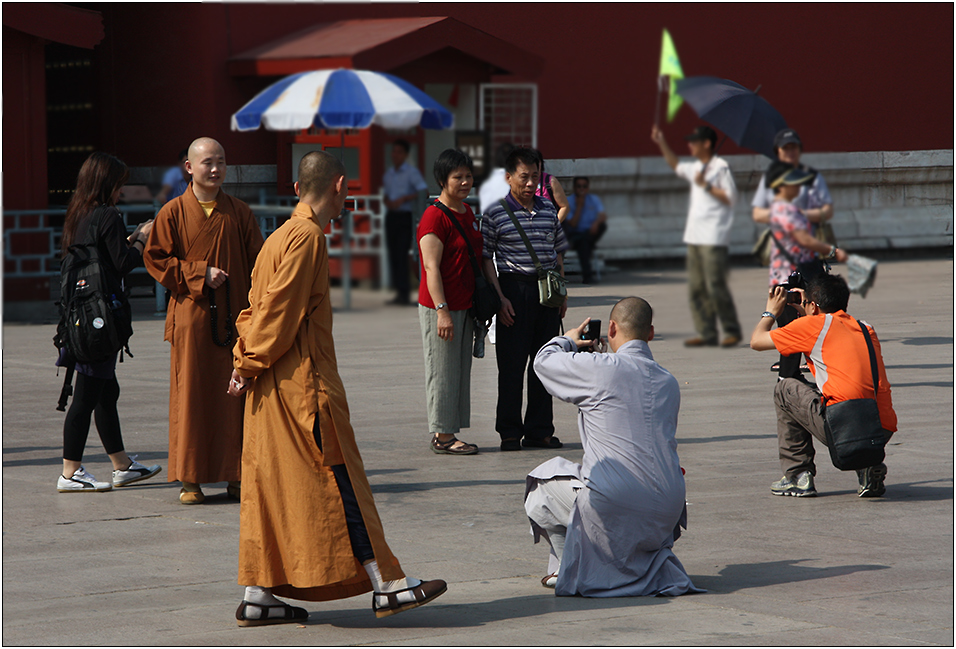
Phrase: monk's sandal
(424,592)
(290,614)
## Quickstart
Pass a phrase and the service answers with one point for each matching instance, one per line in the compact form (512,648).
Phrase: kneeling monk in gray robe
(612,520)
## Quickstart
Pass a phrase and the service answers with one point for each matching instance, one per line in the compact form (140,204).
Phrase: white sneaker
(81,481)
(134,473)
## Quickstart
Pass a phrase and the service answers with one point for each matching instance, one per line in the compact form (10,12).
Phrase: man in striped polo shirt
(524,325)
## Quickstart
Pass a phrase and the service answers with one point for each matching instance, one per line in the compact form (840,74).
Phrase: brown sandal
(290,614)
(423,593)
(449,448)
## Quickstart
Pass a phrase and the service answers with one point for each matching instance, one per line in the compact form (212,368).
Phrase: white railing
(41,231)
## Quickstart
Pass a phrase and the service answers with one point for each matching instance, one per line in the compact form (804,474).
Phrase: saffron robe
(205,423)
(293,537)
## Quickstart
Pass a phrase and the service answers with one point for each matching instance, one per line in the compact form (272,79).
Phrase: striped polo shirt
(508,248)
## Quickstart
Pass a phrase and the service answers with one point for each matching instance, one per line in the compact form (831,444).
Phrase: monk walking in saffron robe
(202,249)
(308,527)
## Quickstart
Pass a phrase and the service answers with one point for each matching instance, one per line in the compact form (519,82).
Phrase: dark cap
(785,137)
(702,133)
(781,173)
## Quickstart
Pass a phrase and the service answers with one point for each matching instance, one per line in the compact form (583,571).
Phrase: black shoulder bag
(854,433)
(485,301)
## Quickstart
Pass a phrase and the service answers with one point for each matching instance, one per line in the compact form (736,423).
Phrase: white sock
(261,597)
(380,586)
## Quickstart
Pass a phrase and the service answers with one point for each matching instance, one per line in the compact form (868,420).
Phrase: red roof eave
(388,44)
(56,22)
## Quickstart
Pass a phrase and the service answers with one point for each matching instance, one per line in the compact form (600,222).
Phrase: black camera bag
(855,436)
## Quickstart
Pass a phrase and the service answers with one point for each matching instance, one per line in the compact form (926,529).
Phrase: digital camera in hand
(795,280)
(593,332)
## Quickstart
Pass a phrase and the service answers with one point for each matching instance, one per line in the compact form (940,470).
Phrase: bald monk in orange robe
(308,527)
(203,245)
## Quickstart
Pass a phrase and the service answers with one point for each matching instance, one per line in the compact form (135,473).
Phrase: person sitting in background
(175,180)
(612,520)
(586,225)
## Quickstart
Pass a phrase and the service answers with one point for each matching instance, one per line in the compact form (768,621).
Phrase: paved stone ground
(133,567)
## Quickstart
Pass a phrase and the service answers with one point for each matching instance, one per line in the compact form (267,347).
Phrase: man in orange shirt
(840,361)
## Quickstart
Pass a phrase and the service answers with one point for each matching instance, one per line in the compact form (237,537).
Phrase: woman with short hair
(444,302)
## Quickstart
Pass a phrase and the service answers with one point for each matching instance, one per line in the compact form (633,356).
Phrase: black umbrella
(745,117)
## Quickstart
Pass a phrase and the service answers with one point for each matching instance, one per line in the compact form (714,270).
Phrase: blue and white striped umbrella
(341,99)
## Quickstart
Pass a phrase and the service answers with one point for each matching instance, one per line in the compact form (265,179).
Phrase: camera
(593,332)
(795,280)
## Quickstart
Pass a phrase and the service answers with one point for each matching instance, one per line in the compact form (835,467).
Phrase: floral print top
(785,219)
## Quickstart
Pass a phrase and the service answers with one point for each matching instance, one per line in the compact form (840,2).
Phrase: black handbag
(485,302)
(855,436)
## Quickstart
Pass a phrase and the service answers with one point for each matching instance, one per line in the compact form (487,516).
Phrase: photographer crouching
(845,359)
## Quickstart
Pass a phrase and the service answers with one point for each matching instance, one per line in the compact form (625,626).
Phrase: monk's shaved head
(633,316)
(318,172)
(203,145)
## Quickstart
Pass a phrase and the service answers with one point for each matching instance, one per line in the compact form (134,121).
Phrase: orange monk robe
(205,423)
(293,537)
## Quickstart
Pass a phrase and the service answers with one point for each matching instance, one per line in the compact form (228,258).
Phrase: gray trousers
(799,420)
(549,504)
(447,371)
(710,298)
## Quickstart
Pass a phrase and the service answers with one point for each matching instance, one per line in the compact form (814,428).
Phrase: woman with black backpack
(92,218)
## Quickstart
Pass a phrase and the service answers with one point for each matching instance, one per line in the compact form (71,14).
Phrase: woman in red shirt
(444,301)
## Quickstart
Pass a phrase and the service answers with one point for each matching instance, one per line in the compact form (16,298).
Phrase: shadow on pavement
(435,615)
(740,576)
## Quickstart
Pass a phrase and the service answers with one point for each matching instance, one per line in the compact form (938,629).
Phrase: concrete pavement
(134,567)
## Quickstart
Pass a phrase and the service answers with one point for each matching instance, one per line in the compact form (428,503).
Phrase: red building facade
(849,77)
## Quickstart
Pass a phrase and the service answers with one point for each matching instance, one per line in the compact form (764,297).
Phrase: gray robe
(626,520)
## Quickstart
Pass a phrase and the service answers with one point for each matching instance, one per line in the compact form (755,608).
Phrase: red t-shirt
(458,278)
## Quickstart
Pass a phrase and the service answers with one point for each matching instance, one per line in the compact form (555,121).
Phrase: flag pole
(661,80)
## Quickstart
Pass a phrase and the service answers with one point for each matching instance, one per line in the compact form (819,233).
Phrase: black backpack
(95,317)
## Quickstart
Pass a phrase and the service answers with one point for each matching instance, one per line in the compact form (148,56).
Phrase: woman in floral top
(789,226)
(793,243)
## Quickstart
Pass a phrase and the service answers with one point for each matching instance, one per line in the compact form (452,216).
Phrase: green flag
(670,67)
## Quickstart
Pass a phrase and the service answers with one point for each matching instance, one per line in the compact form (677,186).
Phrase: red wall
(848,77)
(24,128)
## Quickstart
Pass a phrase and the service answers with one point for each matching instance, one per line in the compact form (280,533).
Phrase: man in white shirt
(402,185)
(707,235)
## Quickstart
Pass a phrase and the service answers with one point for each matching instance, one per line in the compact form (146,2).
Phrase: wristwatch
(441,305)
(767,314)
(832,253)
(708,187)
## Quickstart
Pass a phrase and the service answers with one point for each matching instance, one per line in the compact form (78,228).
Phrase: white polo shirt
(708,220)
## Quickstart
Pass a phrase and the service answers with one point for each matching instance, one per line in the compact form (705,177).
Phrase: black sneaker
(871,481)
